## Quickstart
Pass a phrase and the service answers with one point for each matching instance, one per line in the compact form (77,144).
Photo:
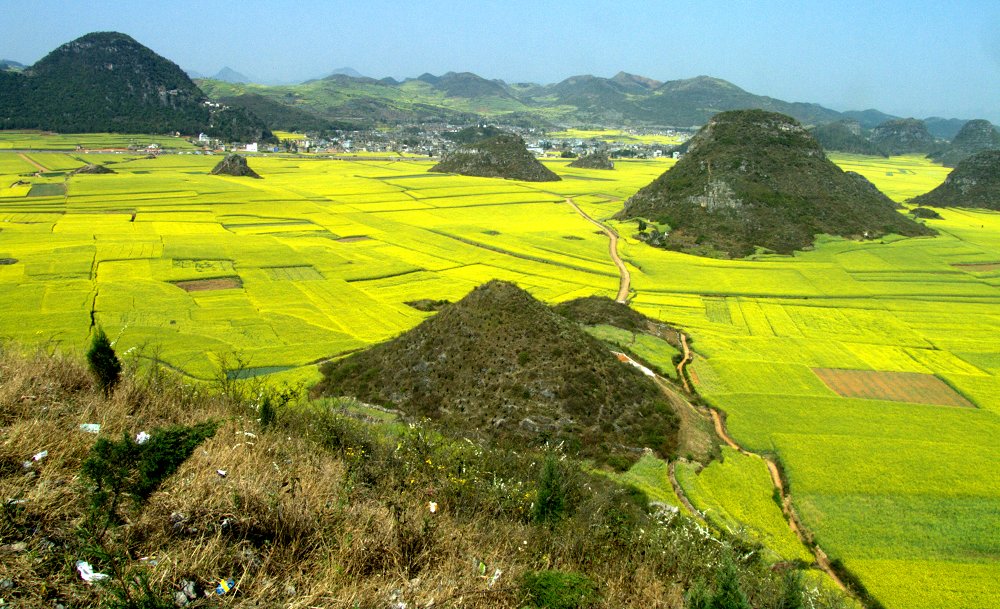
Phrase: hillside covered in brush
(108,82)
(758,179)
(975,182)
(500,364)
(845,136)
(502,156)
(975,136)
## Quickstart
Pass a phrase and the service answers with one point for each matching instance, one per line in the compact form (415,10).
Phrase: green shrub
(103,361)
(550,500)
(558,590)
(126,468)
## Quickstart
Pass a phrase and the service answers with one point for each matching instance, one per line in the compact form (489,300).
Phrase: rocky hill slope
(107,81)
(975,136)
(975,182)
(758,179)
(903,136)
(503,156)
(594,160)
(501,364)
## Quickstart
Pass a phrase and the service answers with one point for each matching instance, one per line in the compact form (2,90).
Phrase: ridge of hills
(501,156)
(108,82)
(975,136)
(500,363)
(753,179)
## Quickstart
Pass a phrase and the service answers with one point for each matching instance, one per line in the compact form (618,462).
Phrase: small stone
(6,584)
(189,589)
(180,599)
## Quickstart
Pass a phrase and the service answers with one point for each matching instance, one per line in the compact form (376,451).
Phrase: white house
(252,147)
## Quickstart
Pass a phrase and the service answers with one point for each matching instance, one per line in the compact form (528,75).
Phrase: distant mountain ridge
(106,81)
(228,74)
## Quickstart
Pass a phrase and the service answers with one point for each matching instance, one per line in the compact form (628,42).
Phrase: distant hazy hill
(870,118)
(503,156)
(902,136)
(758,179)
(944,128)
(107,81)
(9,64)
(228,74)
(975,182)
(585,99)
(283,116)
(345,71)
(500,364)
(975,136)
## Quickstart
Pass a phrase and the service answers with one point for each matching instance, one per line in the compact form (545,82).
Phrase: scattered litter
(189,590)
(149,560)
(13,501)
(432,506)
(40,456)
(90,427)
(87,572)
(222,473)
(142,437)
(494,579)
(225,585)
(249,435)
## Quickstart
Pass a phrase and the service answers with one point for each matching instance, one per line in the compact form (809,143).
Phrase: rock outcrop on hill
(903,136)
(975,136)
(975,182)
(234,165)
(502,364)
(755,179)
(94,169)
(503,156)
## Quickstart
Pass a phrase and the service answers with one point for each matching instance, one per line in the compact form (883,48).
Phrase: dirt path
(671,467)
(28,159)
(626,279)
(684,361)
(822,560)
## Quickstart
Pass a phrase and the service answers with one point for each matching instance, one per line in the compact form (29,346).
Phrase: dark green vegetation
(502,365)
(975,182)
(234,165)
(471,135)
(845,136)
(902,136)
(103,362)
(758,179)
(975,136)
(594,160)
(601,310)
(503,156)
(94,168)
(319,505)
(108,82)
(285,117)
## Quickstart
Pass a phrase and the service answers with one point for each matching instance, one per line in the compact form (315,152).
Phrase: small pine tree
(698,597)
(792,598)
(727,588)
(103,361)
(550,501)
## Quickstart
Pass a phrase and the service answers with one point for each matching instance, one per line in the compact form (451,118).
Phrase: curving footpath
(626,279)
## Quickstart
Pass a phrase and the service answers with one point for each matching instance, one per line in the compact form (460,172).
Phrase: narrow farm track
(671,472)
(28,159)
(626,279)
(822,560)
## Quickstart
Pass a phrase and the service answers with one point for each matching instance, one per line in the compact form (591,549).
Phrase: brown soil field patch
(893,386)
(978,267)
(202,285)
(354,239)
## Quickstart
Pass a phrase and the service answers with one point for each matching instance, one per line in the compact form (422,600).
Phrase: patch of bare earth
(204,285)
(911,387)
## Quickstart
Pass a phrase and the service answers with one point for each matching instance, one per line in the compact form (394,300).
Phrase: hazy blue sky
(906,57)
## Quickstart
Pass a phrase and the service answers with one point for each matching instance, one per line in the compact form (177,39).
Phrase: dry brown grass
(314,511)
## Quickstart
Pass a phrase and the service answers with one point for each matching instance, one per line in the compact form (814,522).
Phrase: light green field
(617,136)
(736,495)
(319,258)
(43,140)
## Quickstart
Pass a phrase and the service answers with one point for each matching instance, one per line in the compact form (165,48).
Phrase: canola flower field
(321,257)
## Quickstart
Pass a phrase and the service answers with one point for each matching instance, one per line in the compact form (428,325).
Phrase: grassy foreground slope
(311,507)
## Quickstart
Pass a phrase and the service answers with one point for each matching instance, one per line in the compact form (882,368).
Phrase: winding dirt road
(626,279)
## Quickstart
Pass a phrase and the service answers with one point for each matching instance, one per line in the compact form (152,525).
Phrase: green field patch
(893,386)
(655,352)
(7,261)
(47,190)
(293,273)
(206,285)
(249,373)
(736,495)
